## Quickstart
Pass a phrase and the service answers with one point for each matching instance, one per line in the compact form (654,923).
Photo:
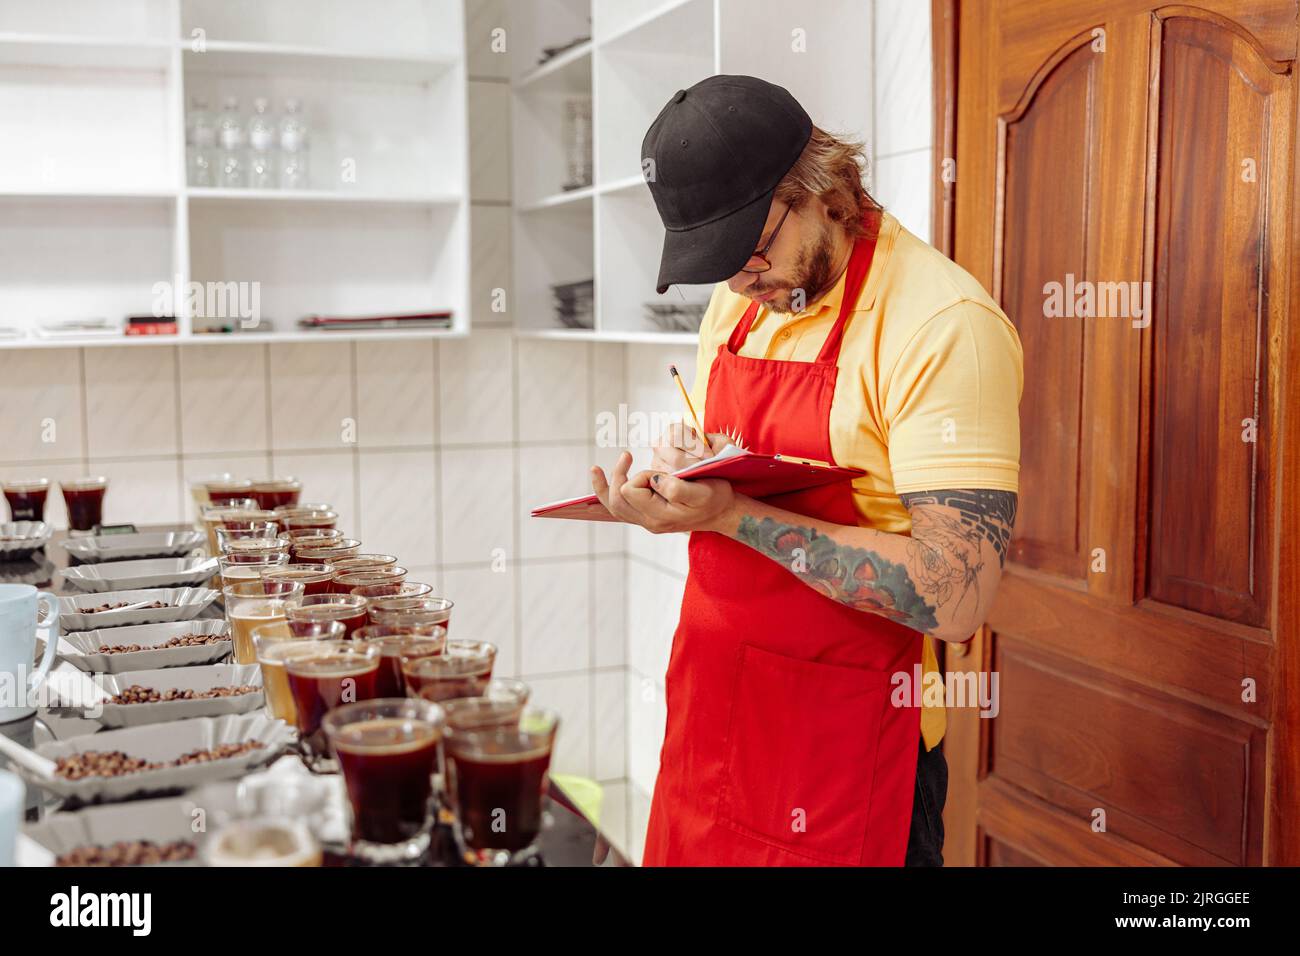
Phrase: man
(834,335)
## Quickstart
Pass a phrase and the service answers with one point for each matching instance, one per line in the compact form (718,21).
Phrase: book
(758,476)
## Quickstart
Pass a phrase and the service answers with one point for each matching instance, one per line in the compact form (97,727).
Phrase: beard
(811,277)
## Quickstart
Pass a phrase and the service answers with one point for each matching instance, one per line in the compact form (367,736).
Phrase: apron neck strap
(855,278)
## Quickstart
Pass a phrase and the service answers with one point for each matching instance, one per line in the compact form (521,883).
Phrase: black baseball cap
(718,151)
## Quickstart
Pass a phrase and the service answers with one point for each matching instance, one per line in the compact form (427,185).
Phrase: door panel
(1138,636)
(1223,121)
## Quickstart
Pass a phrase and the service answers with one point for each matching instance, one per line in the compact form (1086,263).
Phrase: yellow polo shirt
(928,393)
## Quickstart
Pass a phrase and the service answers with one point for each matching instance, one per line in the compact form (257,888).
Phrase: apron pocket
(801,754)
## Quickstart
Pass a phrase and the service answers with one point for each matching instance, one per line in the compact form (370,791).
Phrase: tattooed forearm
(940,579)
(990,514)
(857,577)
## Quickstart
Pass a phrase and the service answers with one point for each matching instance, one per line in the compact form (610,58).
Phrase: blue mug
(19,620)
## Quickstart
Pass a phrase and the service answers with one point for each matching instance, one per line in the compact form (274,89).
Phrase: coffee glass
(275,644)
(84,499)
(26,497)
(387,749)
(255,604)
(462,670)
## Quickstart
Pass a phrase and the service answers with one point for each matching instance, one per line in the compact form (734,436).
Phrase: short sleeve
(711,332)
(952,403)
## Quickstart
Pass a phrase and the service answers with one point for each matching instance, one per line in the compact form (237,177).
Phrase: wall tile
(638,818)
(552,473)
(141,492)
(609,728)
(481,18)
(217,380)
(131,401)
(476,379)
(398,497)
(610,610)
(485,610)
(654,600)
(570,697)
(489,269)
(326,477)
(553,391)
(311,395)
(489,141)
(555,618)
(41,395)
(395,393)
(646,716)
(478,504)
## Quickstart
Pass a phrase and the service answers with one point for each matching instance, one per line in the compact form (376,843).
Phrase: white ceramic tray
(169,820)
(144,573)
(143,544)
(22,539)
(76,694)
(187,604)
(81,649)
(167,742)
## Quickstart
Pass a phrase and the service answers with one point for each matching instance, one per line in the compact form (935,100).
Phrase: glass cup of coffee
(501,704)
(274,644)
(26,497)
(228,490)
(348,609)
(273,493)
(407,610)
(235,569)
(303,520)
(315,578)
(397,645)
(403,589)
(387,749)
(348,577)
(331,674)
(329,553)
(254,604)
(84,499)
(499,776)
(463,669)
(362,562)
(230,534)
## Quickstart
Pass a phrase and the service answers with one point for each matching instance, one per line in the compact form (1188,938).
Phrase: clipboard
(758,476)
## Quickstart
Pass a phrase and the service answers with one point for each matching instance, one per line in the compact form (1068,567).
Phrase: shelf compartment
(550,248)
(372,138)
(637,73)
(332,259)
(77,260)
(629,237)
(376,29)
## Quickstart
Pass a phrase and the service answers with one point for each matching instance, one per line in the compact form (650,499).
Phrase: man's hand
(680,445)
(661,503)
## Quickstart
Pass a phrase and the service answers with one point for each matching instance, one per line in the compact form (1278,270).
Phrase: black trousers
(925,839)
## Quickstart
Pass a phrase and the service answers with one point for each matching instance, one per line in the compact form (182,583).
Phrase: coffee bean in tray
(115,763)
(128,853)
(136,694)
(183,640)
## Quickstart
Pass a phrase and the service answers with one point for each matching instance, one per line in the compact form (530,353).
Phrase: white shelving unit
(636,56)
(95,210)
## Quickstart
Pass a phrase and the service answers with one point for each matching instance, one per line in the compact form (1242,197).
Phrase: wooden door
(1145,635)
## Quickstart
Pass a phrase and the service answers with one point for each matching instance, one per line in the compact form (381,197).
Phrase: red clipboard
(758,476)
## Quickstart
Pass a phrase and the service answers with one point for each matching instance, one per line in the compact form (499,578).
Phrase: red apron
(782,747)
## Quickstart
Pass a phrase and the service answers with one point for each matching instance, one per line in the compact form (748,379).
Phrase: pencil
(699,429)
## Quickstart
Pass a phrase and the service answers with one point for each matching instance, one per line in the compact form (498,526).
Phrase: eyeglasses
(758,262)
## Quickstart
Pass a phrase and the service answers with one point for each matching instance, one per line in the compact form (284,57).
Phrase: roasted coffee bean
(128,853)
(135,694)
(184,640)
(114,763)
